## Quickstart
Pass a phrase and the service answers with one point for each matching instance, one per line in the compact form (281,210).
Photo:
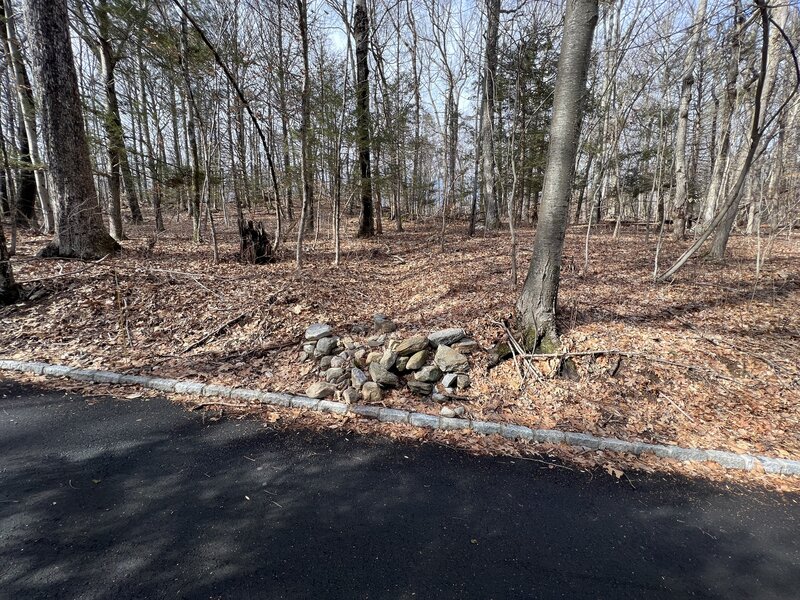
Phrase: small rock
(421,388)
(465,346)
(317,331)
(320,389)
(374,357)
(463,381)
(350,396)
(338,362)
(417,360)
(303,356)
(450,380)
(429,374)
(360,356)
(402,363)
(371,392)
(348,343)
(376,341)
(449,360)
(309,348)
(325,362)
(448,337)
(332,375)
(440,398)
(360,329)
(388,359)
(381,376)
(383,324)
(326,346)
(447,412)
(358,378)
(412,345)
(459,411)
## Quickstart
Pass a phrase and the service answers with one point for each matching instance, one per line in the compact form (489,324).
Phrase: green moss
(549,344)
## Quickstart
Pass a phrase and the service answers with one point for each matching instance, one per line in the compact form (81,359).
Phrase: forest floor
(711,360)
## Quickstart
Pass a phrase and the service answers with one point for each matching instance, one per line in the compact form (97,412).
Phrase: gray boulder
(371,392)
(388,359)
(448,337)
(465,346)
(325,362)
(326,346)
(338,362)
(421,388)
(411,345)
(463,381)
(417,360)
(450,380)
(429,374)
(383,324)
(449,360)
(350,396)
(402,363)
(382,376)
(317,331)
(358,378)
(333,374)
(321,389)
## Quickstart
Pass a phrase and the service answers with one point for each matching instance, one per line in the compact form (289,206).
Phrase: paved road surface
(141,499)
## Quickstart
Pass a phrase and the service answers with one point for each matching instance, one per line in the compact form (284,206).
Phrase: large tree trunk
(305,125)
(191,133)
(28,117)
(681,186)
(536,306)
(366,226)
(487,121)
(79,225)
(9,290)
(779,14)
(720,157)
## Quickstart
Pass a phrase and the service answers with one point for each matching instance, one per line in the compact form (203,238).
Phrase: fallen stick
(215,333)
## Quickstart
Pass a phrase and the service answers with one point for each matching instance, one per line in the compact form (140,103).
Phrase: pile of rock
(434,365)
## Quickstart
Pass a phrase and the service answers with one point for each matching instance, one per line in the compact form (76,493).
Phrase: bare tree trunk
(727,212)
(79,226)
(28,109)
(487,121)
(9,290)
(194,156)
(536,306)
(724,120)
(687,81)
(366,227)
(771,61)
(305,125)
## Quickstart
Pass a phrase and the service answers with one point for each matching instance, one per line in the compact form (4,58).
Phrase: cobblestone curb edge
(729,460)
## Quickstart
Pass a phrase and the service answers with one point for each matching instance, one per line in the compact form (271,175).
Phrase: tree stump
(255,247)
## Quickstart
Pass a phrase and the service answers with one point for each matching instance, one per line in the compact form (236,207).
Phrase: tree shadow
(141,499)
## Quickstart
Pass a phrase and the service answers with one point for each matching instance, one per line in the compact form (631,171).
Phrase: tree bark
(366,226)
(9,290)
(79,226)
(536,307)
(305,126)
(687,81)
(487,121)
(191,133)
(28,109)
(771,61)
